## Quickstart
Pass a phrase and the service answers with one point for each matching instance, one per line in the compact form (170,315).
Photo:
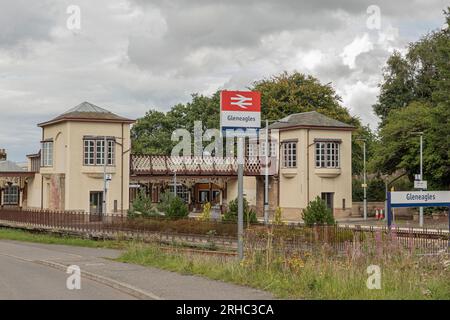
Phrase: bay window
(327,154)
(95,149)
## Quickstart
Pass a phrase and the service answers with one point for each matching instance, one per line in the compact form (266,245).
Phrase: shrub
(317,213)
(231,215)
(185,226)
(206,213)
(277,219)
(173,206)
(142,207)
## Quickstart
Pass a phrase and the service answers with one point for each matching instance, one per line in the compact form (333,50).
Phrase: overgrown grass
(23,235)
(310,276)
(292,275)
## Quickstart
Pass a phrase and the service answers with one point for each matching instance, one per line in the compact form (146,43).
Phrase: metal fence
(193,231)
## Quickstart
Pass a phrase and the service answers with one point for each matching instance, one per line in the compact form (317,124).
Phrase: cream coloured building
(315,161)
(79,149)
(309,156)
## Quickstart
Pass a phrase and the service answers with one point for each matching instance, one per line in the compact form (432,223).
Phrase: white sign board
(416,198)
(420,184)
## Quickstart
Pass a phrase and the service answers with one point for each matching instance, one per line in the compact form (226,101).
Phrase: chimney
(2,154)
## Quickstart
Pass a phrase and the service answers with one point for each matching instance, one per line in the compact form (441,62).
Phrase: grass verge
(317,276)
(26,236)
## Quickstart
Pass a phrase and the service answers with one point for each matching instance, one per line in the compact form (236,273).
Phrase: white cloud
(132,55)
(355,48)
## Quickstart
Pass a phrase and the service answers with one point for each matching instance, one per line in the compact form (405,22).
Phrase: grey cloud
(132,55)
(22,20)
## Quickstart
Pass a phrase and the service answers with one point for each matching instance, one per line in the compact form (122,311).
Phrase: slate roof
(87,112)
(9,166)
(310,119)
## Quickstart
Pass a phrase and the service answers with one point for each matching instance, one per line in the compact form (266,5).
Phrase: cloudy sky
(132,55)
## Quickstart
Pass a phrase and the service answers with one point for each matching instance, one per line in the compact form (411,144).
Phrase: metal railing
(290,237)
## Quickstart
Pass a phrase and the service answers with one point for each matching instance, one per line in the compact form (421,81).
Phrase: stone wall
(358,210)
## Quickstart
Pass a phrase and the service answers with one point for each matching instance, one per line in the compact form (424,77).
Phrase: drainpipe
(42,178)
(121,175)
(105,159)
(307,166)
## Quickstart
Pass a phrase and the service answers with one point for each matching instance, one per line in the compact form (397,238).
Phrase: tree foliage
(231,215)
(173,206)
(317,213)
(142,207)
(415,96)
(281,95)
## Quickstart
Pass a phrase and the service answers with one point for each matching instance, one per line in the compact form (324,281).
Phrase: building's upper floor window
(327,155)
(252,150)
(94,151)
(47,154)
(255,150)
(289,154)
(272,148)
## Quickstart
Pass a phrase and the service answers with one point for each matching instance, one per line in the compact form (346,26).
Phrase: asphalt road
(21,279)
(37,271)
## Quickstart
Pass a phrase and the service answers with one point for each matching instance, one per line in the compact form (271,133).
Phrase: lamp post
(420,134)
(365,179)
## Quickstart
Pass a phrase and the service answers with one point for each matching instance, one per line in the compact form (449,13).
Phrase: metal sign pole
(421,179)
(388,211)
(365,184)
(240,197)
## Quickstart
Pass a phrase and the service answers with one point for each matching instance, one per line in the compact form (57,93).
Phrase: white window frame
(111,152)
(327,154)
(100,152)
(47,154)
(89,152)
(289,154)
(94,151)
(272,148)
(252,150)
(11,195)
(182,191)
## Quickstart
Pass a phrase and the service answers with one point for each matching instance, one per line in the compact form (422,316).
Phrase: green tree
(415,96)
(173,206)
(317,213)
(287,93)
(281,95)
(420,75)
(231,215)
(151,134)
(142,207)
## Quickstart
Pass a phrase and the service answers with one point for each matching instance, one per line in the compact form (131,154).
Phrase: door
(96,202)
(328,198)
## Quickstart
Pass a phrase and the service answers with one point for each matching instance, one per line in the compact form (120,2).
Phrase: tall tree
(281,95)
(415,96)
